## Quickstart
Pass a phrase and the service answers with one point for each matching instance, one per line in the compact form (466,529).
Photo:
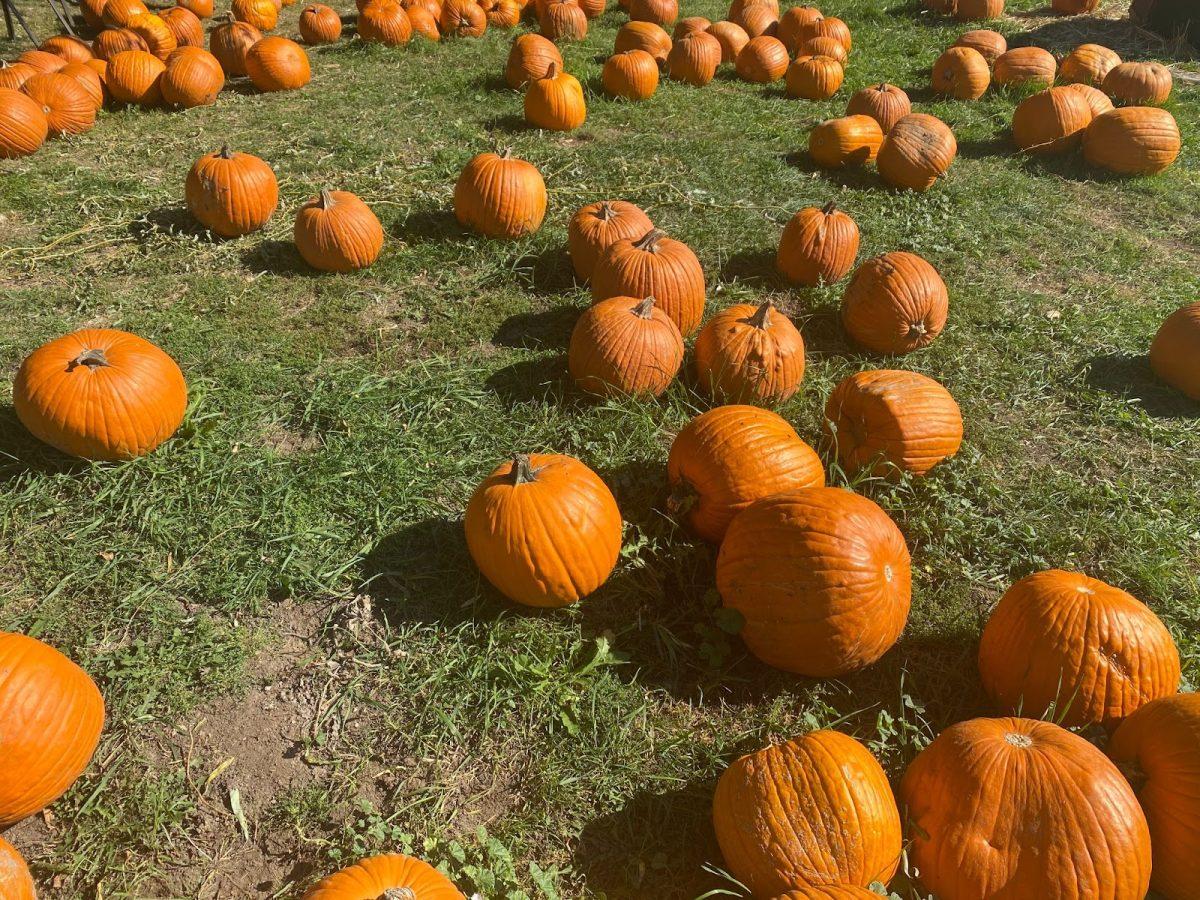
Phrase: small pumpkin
(916,152)
(112,41)
(632,74)
(387,876)
(885,103)
(655,266)
(793,26)
(694,59)
(193,77)
(1138,83)
(23,124)
(424,23)
(814,77)
(262,14)
(337,232)
(231,194)
(278,64)
(185,26)
(747,354)
(644,36)
(134,77)
(202,8)
(1051,121)
(555,102)
(896,303)
(848,141)
(961,73)
(1175,352)
(818,245)
(384,22)
(1074,7)
(974,10)
(1133,140)
(763,60)
(502,13)
(530,58)
(1024,65)
(230,42)
(544,530)
(89,79)
(69,47)
(1095,98)
(13,75)
(732,38)
(500,196)
(1088,64)
(660,12)
(320,24)
(597,226)
(15,881)
(625,347)
(152,29)
(690,25)
(987,43)
(42,61)
(67,105)
(563,20)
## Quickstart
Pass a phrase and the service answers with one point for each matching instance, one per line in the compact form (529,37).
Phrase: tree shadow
(547,329)
(22,454)
(278,258)
(1129,377)
(855,177)
(1063,34)
(170,221)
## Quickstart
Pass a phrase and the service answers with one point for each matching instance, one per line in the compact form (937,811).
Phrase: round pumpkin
(895,303)
(593,9)
(655,266)
(848,141)
(193,77)
(388,876)
(544,530)
(262,14)
(13,75)
(825,26)
(597,226)
(660,12)
(134,76)
(885,103)
(1139,83)
(463,18)
(500,196)
(1095,98)
(384,22)
(632,74)
(69,47)
(185,26)
(42,61)
(320,24)
(644,36)
(278,64)
(748,353)
(757,20)
(1088,64)
(118,12)
(67,105)
(916,152)
(563,20)
(732,38)
(824,46)
(230,42)
(793,26)
(961,73)
(530,58)
(1051,121)
(814,77)
(974,10)
(425,23)
(155,32)
(1175,352)
(830,892)
(555,102)
(202,8)
(337,232)
(763,60)
(502,13)
(987,43)
(694,59)
(231,194)
(112,41)
(89,79)
(725,459)
(818,245)
(625,347)
(1024,65)
(15,881)
(812,811)
(690,25)
(1134,140)
(1022,808)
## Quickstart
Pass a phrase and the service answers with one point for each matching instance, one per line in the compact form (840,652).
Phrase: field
(300,661)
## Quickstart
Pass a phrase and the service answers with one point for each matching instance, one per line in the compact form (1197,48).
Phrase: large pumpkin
(262,14)
(763,60)
(1051,121)
(155,32)
(1175,352)
(384,878)
(694,58)
(961,73)
(848,141)
(660,12)
(625,347)
(231,193)
(15,881)
(51,716)
(555,101)
(500,196)
(1134,140)
(821,577)
(748,353)
(895,303)
(793,27)
(1158,749)
(337,232)
(597,226)
(133,77)
(1139,83)
(70,48)
(1084,650)
(655,266)
(185,26)
(644,36)
(89,79)
(632,74)
(732,38)
(818,245)
(544,530)
(1088,64)
(193,77)
(68,106)
(1018,808)
(278,64)
(230,42)
(815,810)
(1025,65)
(890,421)
(384,22)
(885,103)
(530,58)
(916,151)
(725,459)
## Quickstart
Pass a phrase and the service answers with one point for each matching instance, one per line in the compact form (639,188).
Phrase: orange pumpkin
(916,151)
(70,48)
(896,303)
(848,141)
(42,61)
(1025,65)
(15,881)
(1139,83)
(593,9)
(555,102)
(1051,121)
(597,226)
(278,64)
(13,75)
(112,41)
(694,59)
(1134,140)
(563,20)
(1175,353)
(757,19)
(885,103)
(425,23)
(793,26)
(824,46)
(725,459)
(972,10)
(825,26)
(134,76)
(152,29)
(732,38)
(502,13)
(384,22)
(500,196)
(529,59)
(337,232)
(632,74)
(1088,64)
(1095,98)
(185,26)
(690,25)
(385,876)
(655,266)
(463,18)
(201,8)
(93,12)
(262,14)
(230,42)
(625,347)
(544,530)
(830,892)
(660,12)
(987,43)
(89,79)
(193,77)
(68,106)
(819,244)
(961,73)
(118,12)
(814,77)
(320,24)
(749,353)
(644,36)
(230,193)
(763,60)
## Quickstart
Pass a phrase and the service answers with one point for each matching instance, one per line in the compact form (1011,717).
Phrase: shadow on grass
(170,221)
(857,177)
(546,272)
(543,381)
(429,226)
(493,83)
(508,123)
(547,329)
(1064,33)
(1130,377)
(996,146)
(23,454)
(753,267)
(278,258)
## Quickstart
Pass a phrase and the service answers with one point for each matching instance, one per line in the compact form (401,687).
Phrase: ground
(301,663)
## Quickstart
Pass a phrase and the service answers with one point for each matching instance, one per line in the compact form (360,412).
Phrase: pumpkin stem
(1019,740)
(645,309)
(829,208)
(522,470)
(882,87)
(404,893)
(649,241)
(326,200)
(551,70)
(762,316)
(225,152)
(93,359)
(605,212)
(506,153)
(916,329)
(1133,773)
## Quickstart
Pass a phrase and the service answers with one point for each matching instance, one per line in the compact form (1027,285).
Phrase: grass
(300,662)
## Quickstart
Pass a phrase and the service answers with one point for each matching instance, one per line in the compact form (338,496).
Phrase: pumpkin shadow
(508,123)
(242,85)
(1129,377)
(854,177)
(545,272)
(23,454)
(428,226)
(547,329)
(170,221)
(494,84)
(539,381)
(753,267)
(1064,33)
(998,145)
(278,258)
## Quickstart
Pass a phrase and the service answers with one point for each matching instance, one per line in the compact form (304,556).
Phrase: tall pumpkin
(625,347)
(320,24)
(544,530)
(384,22)
(747,354)
(597,226)
(632,74)
(563,20)
(694,58)
(530,58)
(1175,352)
(885,103)
(655,266)
(51,716)
(1051,121)
(1063,642)
(895,303)
(1133,140)
(337,232)
(793,25)
(15,881)
(155,32)
(725,459)
(112,41)
(230,42)
(500,196)
(387,876)
(89,78)
(1022,808)
(818,245)
(816,810)
(262,14)
(916,151)
(231,193)
(555,101)
(660,12)
(848,141)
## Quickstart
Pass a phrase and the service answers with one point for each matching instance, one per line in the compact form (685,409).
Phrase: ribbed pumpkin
(500,196)
(185,26)
(134,77)
(1021,808)
(425,23)
(896,303)
(848,141)
(826,26)
(694,59)
(42,61)
(231,193)
(262,14)
(1158,749)
(725,459)
(974,10)
(337,232)
(502,13)
(732,38)
(655,266)
(154,31)
(1175,352)
(278,64)
(1139,83)
(67,105)
(202,8)
(824,46)
(738,7)
(593,9)
(23,124)
(387,876)
(1085,650)
(890,421)
(961,73)
(987,43)
(320,24)
(821,578)
(530,58)
(15,881)
(118,12)
(885,103)
(100,394)
(1024,65)
(757,19)
(1051,121)
(747,354)
(597,226)
(555,102)
(792,28)
(70,48)
(193,78)
(112,41)
(1073,7)
(916,151)
(463,18)
(632,74)
(690,25)
(814,77)
(544,530)
(644,36)
(1095,98)
(830,892)
(89,79)
(815,810)
(92,12)
(819,244)
(660,12)
(384,22)
(625,346)
(1134,140)
(563,20)
(1088,64)
(13,75)
(230,42)
(763,60)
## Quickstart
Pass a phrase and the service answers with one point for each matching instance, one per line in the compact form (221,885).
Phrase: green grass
(285,583)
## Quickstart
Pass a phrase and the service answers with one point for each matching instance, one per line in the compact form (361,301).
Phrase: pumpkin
(463,18)
(203,9)
(824,46)
(738,7)
(749,353)
(811,811)
(593,9)
(895,303)
(1175,352)
(154,31)
(987,43)
(725,459)
(848,141)
(830,892)
(1095,98)
(555,102)
(597,226)
(384,22)
(387,876)
(502,13)
(821,578)
(1074,7)
(15,881)
(961,73)
(68,106)
(1051,121)
(764,59)
(93,12)
(814,77)
(660,12)
(732,38)
(690,25)
(89,79)
(825,26)
(793,23)
(70,48)
(118,12)
(889,421)
(632,74)
(185,26)
(529,59)
(262,14)
(916,151)
(231,194)
(1022,808)
(818,245)
(544,530)
(231,42)
(500,196)
(337,232)
(563,20)
(320,24)
(134,77)
(1139,83)
(1024,65)
(425,23)
(758,20)
(1088,64)
(42,61)
(885,103)
(193,77)
(1085,650)
(1158,748)
(972,10)
(13,75)
(655,266)
(625,346)
(1134,140)
(644,36)
(694,59)
(116,40)
(23,124)
(278,64)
